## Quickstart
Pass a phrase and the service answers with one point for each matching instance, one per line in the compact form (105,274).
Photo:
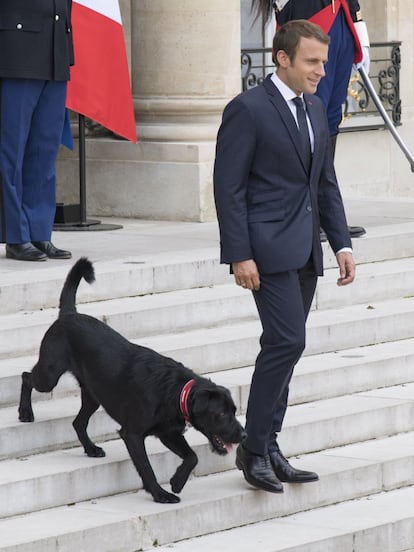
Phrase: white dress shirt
(289,96)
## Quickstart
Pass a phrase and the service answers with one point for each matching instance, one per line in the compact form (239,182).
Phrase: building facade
(185,66)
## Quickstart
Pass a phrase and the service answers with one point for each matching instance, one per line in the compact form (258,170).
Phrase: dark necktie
(303,130)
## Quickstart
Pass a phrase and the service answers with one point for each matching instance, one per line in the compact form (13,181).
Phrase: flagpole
(82,169)
(83,223)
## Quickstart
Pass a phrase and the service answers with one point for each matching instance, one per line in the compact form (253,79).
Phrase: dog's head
(213,412)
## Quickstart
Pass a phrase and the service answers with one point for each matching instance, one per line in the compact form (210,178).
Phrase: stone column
(185,68)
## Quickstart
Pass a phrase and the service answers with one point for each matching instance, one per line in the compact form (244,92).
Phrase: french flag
(99,87)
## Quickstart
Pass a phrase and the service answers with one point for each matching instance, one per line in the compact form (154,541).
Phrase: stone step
(132,521)
(139,274)
(143,274)
(329,375)
(382,522)
(236,345)
(40,287)
(317,377)
(308,428)
(52,429)
(374,282)
(21,333)
(381,243)
(160,313)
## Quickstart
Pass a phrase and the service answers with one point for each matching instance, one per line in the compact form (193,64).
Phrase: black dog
(145,392)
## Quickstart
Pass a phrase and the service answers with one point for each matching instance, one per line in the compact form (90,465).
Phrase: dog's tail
(81,269)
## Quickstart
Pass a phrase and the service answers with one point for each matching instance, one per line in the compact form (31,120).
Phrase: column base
(149,180)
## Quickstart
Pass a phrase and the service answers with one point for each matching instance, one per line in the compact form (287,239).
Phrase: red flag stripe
(100,86)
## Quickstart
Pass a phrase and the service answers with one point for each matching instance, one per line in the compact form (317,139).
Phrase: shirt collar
(283,88)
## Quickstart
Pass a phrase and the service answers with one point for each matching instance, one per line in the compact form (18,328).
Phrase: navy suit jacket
(36,39)
(269,206)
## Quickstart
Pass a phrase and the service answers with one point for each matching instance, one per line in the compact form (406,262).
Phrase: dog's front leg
(177,443)
(80,424)
(136,448)
(25,405)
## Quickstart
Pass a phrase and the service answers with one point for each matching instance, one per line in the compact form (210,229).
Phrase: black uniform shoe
(51,251)
(356,231)
(287,473)
(24,252)
(257,470)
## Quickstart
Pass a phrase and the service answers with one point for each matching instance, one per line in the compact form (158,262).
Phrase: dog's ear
(200,400)
(203,397)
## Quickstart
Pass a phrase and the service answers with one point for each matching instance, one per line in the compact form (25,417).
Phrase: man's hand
(246,274)
(346,265)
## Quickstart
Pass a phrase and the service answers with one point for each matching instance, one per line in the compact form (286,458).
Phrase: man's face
(307,68)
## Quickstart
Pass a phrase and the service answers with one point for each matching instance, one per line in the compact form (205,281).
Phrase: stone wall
(185,66)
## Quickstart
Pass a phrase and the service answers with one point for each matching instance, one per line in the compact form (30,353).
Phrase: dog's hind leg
(136,448)
(177,443)
(43,378)
(80,423)
(25,405)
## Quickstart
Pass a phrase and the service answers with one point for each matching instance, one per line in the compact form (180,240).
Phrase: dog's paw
(165,497)
(95,452)
(177,483)
(183,472)
(26,415)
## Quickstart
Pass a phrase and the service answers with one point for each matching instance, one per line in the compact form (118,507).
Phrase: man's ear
(282,58)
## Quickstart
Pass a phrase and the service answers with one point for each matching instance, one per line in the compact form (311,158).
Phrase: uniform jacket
(35,39)
(323,13)
(300,9)
(269,208)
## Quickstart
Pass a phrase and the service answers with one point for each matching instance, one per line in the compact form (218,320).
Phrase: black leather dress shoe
(51,251)
(257,470)
(287,473)
(24,252)
(356,231)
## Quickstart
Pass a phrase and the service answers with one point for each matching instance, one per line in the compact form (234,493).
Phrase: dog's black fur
(137,387)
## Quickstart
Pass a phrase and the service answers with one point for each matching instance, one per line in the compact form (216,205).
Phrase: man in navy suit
(349,43)
(275,185)
(36,52)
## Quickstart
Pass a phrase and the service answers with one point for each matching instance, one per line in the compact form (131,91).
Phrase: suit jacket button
(19,26)
(57,17)
(309,208)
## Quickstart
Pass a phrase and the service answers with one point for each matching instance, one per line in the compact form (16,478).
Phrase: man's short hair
(287,37)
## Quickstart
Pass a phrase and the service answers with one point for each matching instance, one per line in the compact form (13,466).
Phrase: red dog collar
(184,397)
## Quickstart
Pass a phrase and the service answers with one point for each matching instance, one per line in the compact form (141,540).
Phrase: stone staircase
(351,417)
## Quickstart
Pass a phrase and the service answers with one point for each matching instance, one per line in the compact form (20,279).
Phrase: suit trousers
(32,113)
(283,303)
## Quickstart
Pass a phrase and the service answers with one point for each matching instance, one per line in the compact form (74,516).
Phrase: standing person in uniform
(36,51)
(274,184)
(342,20)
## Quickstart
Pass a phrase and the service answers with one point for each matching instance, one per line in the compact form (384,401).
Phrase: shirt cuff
(344,250)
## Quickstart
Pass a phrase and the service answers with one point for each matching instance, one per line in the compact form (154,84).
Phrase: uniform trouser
(283,303)
(333,88)
(32,114)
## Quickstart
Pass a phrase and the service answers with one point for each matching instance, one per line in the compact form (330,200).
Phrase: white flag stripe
(108,8)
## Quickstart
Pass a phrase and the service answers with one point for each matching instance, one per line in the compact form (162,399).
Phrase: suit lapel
(285,113)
